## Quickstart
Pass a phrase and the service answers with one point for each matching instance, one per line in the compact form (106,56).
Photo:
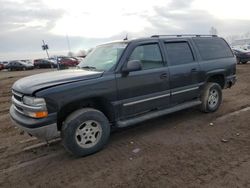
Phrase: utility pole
(45,47)
(67,37)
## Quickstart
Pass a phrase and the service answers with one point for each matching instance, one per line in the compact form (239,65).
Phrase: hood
(30,84)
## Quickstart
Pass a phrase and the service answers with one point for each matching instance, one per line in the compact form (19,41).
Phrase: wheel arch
(217,77)
(98,103)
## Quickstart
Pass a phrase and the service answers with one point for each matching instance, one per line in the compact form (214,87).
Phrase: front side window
(179,53)
(149,55)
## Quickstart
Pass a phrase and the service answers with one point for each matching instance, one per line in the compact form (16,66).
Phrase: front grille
(17,96)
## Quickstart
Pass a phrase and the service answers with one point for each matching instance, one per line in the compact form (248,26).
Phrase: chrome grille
(17,96)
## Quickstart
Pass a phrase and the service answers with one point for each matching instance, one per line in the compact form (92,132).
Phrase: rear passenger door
(183,70)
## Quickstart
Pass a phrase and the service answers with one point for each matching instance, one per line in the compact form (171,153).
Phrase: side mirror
(132,65)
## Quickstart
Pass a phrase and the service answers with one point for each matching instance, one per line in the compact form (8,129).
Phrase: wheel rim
(213,98)
(88,134)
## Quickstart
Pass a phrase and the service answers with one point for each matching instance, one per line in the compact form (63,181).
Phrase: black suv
(123,83)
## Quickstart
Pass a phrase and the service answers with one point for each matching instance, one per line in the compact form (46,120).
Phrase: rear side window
(179,53)
(149,55)
(212,48)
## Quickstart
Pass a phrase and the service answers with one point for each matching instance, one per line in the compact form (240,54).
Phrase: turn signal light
(40,114)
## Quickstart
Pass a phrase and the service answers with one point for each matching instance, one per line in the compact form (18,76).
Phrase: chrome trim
(144,100)
(17,94)
(185,90)
(18,110)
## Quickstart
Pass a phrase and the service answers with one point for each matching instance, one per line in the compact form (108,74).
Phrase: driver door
(146,89)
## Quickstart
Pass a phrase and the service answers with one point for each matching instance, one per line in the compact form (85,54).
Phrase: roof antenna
(126,38)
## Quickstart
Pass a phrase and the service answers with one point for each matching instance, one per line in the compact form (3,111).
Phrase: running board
(155,114)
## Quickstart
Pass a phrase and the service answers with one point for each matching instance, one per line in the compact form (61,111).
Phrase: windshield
(104,57)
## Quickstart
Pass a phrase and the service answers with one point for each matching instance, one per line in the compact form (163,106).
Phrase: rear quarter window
(212,48)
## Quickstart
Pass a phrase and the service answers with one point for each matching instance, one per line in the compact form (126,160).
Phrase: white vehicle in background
(242,53)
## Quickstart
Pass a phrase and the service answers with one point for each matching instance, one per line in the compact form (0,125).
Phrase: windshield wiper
(88,67)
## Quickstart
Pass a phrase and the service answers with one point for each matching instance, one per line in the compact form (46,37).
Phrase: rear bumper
(44,129)
(230,81)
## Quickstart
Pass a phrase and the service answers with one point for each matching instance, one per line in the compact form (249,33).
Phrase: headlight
(37,107)
(32,101)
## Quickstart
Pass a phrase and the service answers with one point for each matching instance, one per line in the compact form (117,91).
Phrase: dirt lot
(185,149)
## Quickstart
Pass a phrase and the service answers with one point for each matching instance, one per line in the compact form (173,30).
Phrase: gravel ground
(184,149)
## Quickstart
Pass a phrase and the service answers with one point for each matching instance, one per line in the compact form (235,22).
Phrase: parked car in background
(27,61)
(65,62)
(18,65)
(44,63)
(53,60)
(1,66)
(5,63)
(79,58)
(242,55)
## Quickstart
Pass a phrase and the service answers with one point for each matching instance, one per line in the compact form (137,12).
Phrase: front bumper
(44,128)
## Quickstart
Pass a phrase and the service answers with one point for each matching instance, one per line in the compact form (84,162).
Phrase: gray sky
(24,23)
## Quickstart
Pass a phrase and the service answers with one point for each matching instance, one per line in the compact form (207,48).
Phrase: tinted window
(179,53)
(149,55)
(212,48)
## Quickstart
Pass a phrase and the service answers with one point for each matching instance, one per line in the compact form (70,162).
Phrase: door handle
(163,76)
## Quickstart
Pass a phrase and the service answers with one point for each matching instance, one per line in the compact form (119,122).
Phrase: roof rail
(183,35)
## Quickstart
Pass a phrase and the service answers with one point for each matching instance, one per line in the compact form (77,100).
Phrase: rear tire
(211,97)
(85,132)
(244,62)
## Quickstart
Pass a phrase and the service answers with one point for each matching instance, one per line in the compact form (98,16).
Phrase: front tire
(211,97)
(85,131)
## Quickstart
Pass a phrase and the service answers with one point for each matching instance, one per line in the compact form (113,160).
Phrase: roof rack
(183,35)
